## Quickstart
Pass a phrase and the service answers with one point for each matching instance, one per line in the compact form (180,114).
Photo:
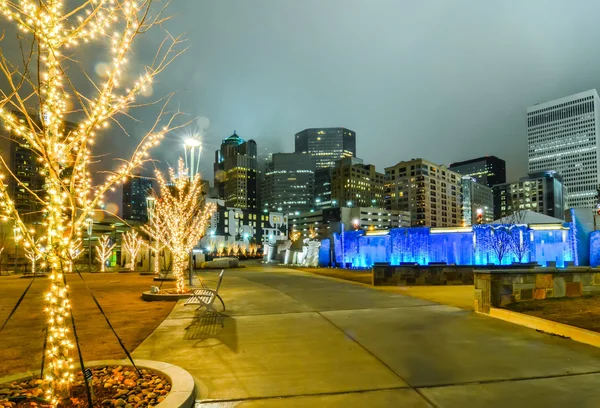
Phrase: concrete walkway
(293,339)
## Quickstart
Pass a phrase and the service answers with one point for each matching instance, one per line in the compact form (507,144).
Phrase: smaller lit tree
(295,235)
(252,249)
(33,253)
(104,251)
(132,243)
(184,216)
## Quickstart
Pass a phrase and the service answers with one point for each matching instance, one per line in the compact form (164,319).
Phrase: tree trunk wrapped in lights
(52,37)
(104,251)
(132,243)
(180,218)
(156,246)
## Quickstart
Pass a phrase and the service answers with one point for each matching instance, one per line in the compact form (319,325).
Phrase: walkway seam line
(380,360)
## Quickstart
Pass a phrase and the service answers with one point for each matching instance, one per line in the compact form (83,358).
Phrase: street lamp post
(150,201)
(90,226)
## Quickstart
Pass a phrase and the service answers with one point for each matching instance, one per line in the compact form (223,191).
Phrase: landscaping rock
(114,386)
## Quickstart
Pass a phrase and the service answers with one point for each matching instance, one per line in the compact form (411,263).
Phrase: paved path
(292,339)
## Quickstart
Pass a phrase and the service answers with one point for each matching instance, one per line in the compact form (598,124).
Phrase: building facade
(329,220)
(326,145)
(477,202)
(323,179)
(135,192)
(236,173)
(487,170)
(354,184)
(230,224)
(562,135)
(430,192)
(542,192)
(289,183)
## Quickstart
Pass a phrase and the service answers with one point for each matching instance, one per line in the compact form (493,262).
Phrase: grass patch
(119,295)
(583,312)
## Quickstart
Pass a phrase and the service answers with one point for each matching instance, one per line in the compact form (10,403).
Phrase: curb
(183,389)
(547,326)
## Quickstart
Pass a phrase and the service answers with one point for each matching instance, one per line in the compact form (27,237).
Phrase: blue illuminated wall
(475,247)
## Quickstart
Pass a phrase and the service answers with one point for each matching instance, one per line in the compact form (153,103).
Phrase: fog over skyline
(442,80)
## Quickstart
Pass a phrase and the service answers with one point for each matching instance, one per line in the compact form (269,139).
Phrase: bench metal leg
(223,303)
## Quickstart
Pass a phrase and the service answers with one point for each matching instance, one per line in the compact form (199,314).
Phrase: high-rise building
(326,145)
(135,192)
(477,202)
(487,170)
(429,191)
(236,172)
(542,192)
(323,188)
(288,183)
(354,184)
(563,136)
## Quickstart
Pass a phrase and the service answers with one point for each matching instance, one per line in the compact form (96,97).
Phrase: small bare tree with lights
(183,217)
(33,253)
(132,243)
(104,250)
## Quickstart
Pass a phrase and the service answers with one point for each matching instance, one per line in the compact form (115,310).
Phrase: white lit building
(563,136)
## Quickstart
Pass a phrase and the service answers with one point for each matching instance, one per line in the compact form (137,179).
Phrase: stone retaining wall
(498,288)
(413,275)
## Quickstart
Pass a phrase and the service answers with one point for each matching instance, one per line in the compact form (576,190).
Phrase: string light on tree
(56,35)
(104,250)
(180,217)
(132,243)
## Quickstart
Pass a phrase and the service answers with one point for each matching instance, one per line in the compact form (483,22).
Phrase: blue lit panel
(476,247)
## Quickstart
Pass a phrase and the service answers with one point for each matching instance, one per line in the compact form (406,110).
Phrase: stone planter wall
(414,275)
(498,288)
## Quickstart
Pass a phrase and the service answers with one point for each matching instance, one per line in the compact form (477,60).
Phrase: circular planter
(147,273)
(169,297)
(181,395)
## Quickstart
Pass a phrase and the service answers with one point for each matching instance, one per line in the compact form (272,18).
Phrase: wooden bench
(205,297)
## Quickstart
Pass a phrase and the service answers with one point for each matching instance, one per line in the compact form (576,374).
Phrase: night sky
(442,80)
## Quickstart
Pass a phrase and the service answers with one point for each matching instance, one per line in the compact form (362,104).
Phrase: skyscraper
(541,192)
(323,188)
(135,191)
(354,184)
(326,145)
(236,172)
(289,183)
(430,192)
(563,135)
(487,170)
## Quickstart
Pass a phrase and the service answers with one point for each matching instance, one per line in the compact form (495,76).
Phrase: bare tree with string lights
(46,87)
(104,250)
(132,243)
(180,218)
